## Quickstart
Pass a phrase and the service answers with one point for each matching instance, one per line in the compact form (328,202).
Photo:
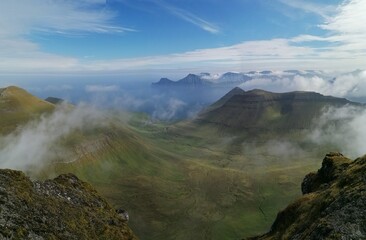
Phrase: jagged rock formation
(62,208)
(333,205)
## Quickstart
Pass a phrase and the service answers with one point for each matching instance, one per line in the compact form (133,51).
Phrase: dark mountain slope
(259,110)
(227,97)
(333,205)
(62,208)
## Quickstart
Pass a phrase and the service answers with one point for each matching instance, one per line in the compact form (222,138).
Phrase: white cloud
(347,28)
(35,144)
(168,110)
(340,85)
(256,52)
(350,18)
(343,128)
(18,19)
(62,16)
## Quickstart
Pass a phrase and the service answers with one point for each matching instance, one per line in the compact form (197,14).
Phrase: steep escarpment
(333,205)
(62,208)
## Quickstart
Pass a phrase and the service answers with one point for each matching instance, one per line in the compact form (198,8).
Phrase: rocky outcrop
(333,205)
(62,208)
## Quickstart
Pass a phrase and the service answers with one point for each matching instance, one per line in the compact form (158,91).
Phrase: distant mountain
(258,110)
(18,106)
(232,79)
(206,79)
(191,80)
(62,208)
(333,205)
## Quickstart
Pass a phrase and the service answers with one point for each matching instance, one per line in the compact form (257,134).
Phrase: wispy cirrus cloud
(312,7)
(19,19)
(189,17)
(22,17)
(345,31)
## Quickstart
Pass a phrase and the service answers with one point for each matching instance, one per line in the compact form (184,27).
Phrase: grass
(189,185)
(179,181)
(18,107)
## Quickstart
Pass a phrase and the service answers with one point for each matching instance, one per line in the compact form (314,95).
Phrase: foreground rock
(333,205)
(62,208)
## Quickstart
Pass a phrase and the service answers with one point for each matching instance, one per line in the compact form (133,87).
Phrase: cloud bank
(350,85)
(36,144)
(341,129)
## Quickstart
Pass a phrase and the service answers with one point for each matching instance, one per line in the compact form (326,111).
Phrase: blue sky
(84,36)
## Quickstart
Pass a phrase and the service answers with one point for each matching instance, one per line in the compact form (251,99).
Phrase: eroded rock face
(333,205)
(62,208)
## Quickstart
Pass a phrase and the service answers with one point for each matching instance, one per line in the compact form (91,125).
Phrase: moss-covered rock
(62,208)
(333,205)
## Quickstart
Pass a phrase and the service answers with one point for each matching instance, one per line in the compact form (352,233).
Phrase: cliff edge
(62,208)
(333,205)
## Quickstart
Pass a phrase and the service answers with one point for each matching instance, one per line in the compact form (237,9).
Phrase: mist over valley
(195,119)
(215,163)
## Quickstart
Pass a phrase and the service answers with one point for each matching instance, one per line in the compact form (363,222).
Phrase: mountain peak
(18,97)
(233,92)
(191,79)
(19,106)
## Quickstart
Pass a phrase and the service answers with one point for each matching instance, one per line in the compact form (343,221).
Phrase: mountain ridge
(191,80)
(268,111)
(231,79)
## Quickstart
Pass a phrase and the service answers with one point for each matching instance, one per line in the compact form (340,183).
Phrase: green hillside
(183,181)
(176,186)
(17,106)
(259,111)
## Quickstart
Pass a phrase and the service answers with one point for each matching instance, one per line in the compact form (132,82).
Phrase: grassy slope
(187,186)
(177,182)
(18,106)
(332,207)
(261,111)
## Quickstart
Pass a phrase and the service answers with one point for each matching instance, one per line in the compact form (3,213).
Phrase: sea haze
(180,96)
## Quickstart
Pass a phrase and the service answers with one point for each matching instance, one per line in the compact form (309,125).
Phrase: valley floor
(200,184)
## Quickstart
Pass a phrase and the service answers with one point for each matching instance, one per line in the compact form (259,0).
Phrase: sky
(165,36)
